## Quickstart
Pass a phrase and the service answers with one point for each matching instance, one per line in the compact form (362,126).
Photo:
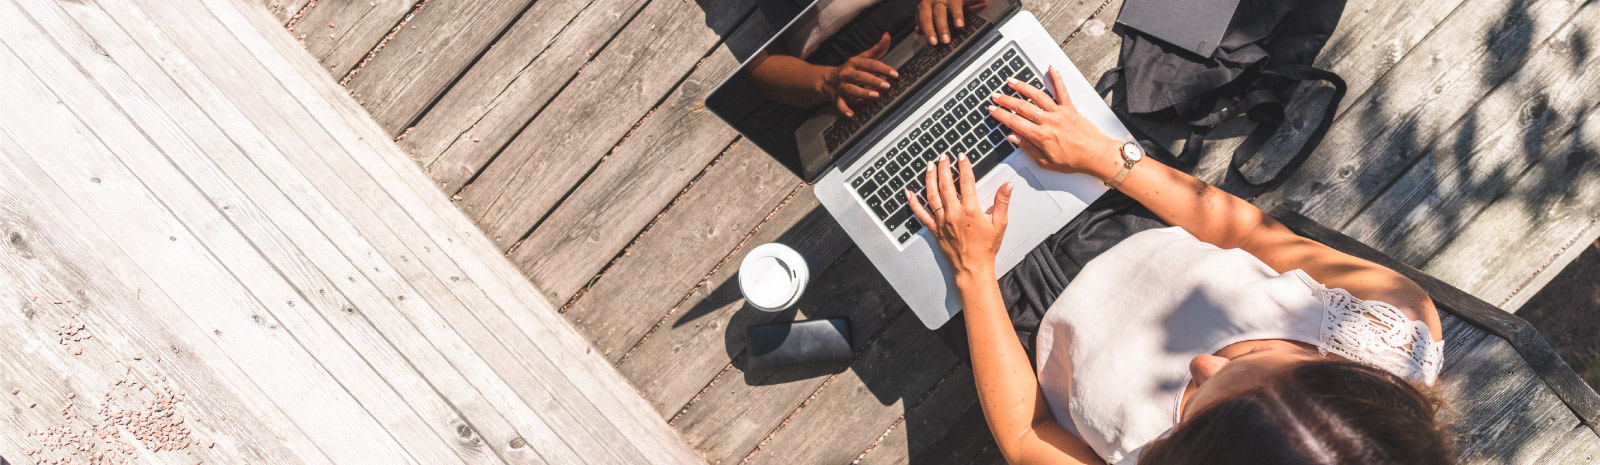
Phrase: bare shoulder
(1363,279)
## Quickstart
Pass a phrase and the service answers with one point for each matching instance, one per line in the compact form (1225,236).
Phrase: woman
(1225,338)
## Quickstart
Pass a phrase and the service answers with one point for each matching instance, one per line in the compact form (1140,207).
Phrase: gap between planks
(731,361)
(626,249)
(367,58)
(1521,62)
(707,277)
(664,96)
(485,166)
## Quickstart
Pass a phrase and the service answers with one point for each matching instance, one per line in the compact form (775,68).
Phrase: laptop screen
(819,83)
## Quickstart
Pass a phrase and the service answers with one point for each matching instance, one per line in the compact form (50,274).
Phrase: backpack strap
(1270,122)
(1111,80)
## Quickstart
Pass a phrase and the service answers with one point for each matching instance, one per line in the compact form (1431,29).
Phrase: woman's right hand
(1053,132)
(859,78)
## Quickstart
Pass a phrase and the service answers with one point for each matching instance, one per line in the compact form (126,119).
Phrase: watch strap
(1127,166)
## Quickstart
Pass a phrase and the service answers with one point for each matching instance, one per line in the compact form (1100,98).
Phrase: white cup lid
(772,276)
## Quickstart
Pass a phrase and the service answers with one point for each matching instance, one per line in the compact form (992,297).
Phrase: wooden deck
(212,255)
(571,132)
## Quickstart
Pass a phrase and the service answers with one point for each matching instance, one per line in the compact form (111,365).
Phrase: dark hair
(1320,412)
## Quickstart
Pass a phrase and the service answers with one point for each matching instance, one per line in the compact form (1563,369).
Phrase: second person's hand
(859,78)
(935,17)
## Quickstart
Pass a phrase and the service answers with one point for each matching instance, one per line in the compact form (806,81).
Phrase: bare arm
(789,80)
(1008,390)
(1063,140)
(792,81)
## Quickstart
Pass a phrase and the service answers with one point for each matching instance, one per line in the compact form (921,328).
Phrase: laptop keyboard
(919,64)
(960,124)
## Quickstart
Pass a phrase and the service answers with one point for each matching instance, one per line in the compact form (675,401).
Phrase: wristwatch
(1131,154)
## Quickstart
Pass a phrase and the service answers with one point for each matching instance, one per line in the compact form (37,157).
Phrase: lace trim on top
(1378,334)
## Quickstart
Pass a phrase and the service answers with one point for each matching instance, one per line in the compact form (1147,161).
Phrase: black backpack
(1268,49)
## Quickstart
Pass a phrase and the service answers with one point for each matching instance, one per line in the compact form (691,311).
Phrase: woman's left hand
(968,237)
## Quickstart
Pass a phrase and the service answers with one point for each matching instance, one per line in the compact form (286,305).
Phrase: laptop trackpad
(1031,209)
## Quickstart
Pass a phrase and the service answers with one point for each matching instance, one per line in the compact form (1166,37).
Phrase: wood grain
(590,117)
(736,412)
(513,306)
(1512,129)
(1540,224)
(377,298)
(1580,446)
(679,250)
(1479,160)
(1502,415)
(1398,119)
(56,253)
(858,405)
(709,324)
(171,156)
(635,181)
(340,33)
(478,115)
(283,10)
(425,57)
(189,272)
(947,427)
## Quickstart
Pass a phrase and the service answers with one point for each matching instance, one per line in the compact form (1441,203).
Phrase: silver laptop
(860,166)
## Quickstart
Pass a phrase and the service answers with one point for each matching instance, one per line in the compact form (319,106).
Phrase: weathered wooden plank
(733,414)
(262,154)
(208,292)
(855,407)
(1580,446)
(247,246)
(340,33)
(709,323)
(53,253)
(1540,224)
(502,92)
(680,249)
(638,178)
(947,427)
(1500,412)
(1515,127)
(563,405)
(297,251)
(1397,120)
(575,131)
(510,305)
(1459,337)
(283,10)
(436,351)
(422,59)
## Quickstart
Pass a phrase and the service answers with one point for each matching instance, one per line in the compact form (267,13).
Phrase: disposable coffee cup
(772,277)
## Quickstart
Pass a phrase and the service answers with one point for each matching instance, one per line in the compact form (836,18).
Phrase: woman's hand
(859,78)
(968,237)
(934,17)
(1054,133)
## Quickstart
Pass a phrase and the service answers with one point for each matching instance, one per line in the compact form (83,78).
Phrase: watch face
(1131,152)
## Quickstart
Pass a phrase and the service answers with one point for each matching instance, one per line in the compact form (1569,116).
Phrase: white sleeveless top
(1114,348)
